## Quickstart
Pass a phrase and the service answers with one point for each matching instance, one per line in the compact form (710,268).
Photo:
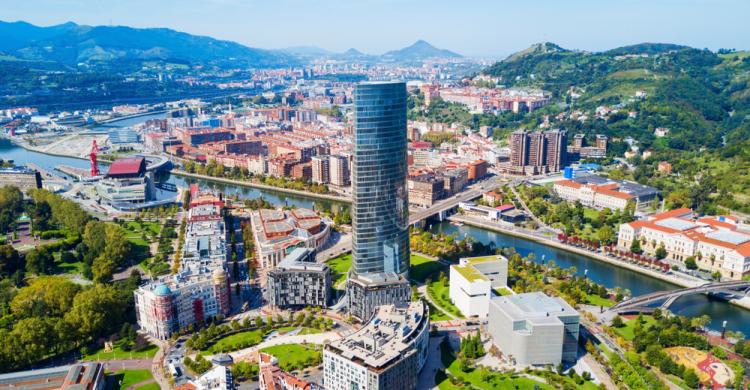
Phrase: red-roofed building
(716,243)
(127,167)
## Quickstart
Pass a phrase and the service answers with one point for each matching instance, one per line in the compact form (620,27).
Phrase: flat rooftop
(535,307)
(385,338)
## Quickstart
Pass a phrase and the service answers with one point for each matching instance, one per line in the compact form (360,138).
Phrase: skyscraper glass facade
(380,212)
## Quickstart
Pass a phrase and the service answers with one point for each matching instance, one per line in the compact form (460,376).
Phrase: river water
(611,276)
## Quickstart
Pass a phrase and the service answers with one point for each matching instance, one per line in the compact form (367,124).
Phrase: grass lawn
(125,378)
(237,341)
(439,293)
(423,267)
(436,314)
(117,353)
(304,331)
(339,269)
(295,356)
(596,300)
(627,331)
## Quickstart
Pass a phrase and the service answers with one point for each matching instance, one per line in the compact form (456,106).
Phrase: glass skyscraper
(380,212)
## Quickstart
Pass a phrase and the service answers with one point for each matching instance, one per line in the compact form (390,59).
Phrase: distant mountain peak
(419,50)
(353,52)
(537,48)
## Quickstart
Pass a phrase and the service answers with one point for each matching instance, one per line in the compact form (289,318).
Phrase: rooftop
(127,166)
(534,307)
(385,338)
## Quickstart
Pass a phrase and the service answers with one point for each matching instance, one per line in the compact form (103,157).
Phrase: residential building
(272,377)
(599,192)
(217,378)
(717,243)
(473,280)
(664,167)
(321,169)
(579,148)
(200,288)
(424,190)
(455,180)
(298,282)
(534,329)
(339,169)
(380,207)
(278,232)
(477,169)
(538,152)
(386,354)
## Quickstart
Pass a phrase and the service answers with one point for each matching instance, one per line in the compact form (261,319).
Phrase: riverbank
(671,279)
(222,180)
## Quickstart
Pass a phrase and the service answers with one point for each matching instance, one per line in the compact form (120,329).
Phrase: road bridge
(644,303)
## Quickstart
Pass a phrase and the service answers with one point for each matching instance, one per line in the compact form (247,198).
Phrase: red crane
(92,158)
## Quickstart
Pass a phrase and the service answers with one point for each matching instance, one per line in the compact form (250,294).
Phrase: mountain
(420,50)
(535,49)
(71,44)
(645,48)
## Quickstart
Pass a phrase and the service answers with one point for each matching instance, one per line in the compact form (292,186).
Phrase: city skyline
(337,26)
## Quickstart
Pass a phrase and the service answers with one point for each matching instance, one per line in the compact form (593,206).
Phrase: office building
(473,280)
(716,243)
(340,175)
(386,354)
(23,178)
(298,282)
(380,207)
(321,169)
(537,152)
(534,329)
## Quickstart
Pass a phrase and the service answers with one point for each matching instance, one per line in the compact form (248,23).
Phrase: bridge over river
(727,290)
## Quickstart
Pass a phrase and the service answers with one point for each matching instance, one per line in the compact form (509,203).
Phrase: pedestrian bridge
(645,303)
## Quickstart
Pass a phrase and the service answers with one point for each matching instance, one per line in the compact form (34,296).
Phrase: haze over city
(474,28)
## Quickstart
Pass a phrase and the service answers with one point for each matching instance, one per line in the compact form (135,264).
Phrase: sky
(479,28)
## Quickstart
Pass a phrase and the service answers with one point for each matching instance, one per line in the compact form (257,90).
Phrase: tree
(691,379)
(617,322)
(10,262)
(661,252)
(96,311)
(635,246)
(39,261)
(605,234)
(690,263)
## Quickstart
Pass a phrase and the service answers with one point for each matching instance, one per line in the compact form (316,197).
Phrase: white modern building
(534,329)
(473,280)
(386,354)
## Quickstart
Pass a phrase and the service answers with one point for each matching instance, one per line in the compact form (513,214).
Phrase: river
(608,275)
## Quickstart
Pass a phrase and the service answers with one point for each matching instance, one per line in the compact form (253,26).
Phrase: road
(474,191)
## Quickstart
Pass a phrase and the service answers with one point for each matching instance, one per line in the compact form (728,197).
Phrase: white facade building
(386,354)
(534,329)
(473,280)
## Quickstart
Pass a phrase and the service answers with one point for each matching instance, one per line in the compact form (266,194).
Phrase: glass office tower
(380,212)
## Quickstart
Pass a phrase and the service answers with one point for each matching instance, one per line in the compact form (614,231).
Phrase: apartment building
(299,282)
